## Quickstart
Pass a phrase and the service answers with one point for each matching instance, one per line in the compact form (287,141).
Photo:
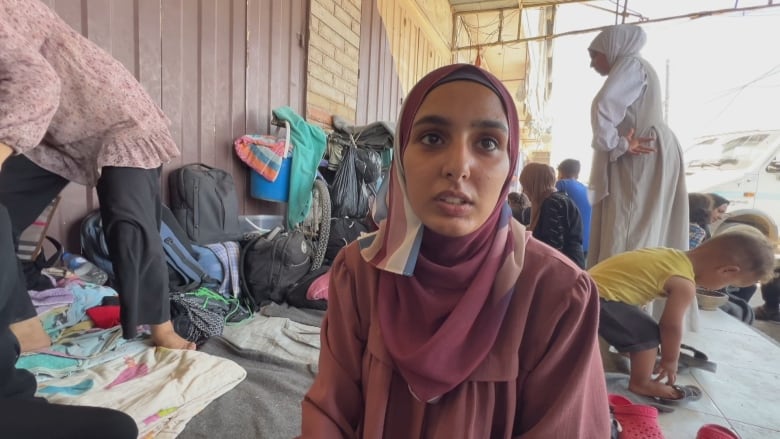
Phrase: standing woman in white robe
(637,177)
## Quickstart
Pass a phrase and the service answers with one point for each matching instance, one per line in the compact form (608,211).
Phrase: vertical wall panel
(216,67)
(378,85)
(149,34)
(394,54)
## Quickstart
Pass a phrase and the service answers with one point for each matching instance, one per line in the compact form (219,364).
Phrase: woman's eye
(488,144)
(430,139)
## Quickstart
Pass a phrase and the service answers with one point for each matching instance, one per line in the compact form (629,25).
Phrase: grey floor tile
(683,423)
(749,351)
(748,396)
(720,321)
(747,431)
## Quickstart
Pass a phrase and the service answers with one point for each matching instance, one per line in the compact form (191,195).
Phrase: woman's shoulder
(550,285)
(350,259)
(557,201)
(554,199)
(544,266)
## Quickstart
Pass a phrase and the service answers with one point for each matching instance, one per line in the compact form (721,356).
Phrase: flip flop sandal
(689,393)
(715,431)
(698,359)
(636,420)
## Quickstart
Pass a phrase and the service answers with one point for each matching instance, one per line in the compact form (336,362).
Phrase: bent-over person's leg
(130,207)
(632,331)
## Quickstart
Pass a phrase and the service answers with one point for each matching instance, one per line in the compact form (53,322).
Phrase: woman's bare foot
(163,335)
(30,334)
(654,388)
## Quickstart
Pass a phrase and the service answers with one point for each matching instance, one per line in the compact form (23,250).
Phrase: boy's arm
(680,293)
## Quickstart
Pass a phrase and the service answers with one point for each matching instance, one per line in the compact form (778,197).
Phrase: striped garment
(228,254)
(263,153)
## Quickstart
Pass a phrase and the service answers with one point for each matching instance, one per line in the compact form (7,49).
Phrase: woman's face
(456,160)
(598,61)
(718,213)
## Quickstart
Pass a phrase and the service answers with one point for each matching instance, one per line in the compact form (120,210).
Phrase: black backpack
(205,203)
(272,262)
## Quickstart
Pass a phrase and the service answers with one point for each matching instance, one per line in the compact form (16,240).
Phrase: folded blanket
(161,389)
(46,300)
(262,153)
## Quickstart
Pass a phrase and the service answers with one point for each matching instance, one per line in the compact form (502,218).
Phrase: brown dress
(542,379)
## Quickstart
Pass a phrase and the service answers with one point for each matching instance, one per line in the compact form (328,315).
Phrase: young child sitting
(627,281)
(699,211)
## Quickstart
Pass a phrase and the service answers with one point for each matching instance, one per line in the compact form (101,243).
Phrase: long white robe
(639,200)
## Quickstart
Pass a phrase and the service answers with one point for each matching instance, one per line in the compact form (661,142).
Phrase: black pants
(130,207)
(21,414)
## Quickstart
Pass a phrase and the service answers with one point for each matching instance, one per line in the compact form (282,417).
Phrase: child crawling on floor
(627,281)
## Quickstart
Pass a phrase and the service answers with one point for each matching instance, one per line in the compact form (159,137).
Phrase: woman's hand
(638,145)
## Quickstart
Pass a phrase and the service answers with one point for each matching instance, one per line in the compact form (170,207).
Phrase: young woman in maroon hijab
(451,320)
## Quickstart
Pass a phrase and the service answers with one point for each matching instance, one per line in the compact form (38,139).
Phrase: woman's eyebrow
(432,120)
(439,120)
(497,124)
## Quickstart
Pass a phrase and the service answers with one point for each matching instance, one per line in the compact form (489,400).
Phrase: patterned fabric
(160,405)
(202,314)
(68,105)
(696,235)
(264,154)
(228,254)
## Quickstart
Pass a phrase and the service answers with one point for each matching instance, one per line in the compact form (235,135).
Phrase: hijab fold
(442,300)
(619,41)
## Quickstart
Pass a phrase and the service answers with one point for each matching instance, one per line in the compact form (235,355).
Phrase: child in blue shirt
(568,172)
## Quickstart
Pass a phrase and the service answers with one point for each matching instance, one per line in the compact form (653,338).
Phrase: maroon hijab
(440,321)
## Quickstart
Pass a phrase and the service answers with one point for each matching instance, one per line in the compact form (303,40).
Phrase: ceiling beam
(692,15)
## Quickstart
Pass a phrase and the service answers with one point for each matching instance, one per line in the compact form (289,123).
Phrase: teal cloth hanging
(309,143)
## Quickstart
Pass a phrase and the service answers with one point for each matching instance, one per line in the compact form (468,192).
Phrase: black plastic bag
(369,165)
(349,195)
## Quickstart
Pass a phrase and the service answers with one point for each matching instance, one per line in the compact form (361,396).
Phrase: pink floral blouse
(68,105)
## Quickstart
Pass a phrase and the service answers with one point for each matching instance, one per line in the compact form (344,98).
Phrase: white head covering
(618,41)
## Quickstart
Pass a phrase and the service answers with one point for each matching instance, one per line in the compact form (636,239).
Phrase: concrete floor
(744,393)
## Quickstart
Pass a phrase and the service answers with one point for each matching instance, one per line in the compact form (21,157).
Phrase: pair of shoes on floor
(762,313)
(715,431)
(636,420)
(687,393)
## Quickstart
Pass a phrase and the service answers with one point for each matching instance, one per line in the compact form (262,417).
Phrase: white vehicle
(743,167)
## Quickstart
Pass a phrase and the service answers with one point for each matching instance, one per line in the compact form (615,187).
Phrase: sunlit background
(723,71)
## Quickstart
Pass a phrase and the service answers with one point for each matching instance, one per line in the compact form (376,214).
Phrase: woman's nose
(458,162)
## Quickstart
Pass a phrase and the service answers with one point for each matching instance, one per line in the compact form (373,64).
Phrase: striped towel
(228,254)
(262,153)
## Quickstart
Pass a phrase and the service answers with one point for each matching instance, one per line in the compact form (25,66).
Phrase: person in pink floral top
(69,112)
